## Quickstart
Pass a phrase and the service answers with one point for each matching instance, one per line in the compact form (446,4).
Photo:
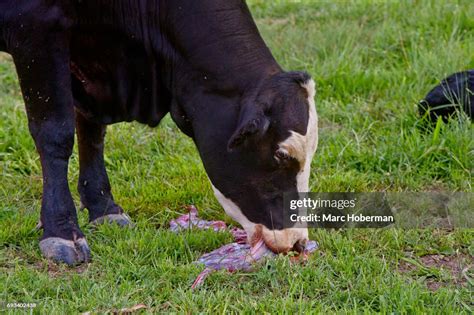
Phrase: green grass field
(372,61)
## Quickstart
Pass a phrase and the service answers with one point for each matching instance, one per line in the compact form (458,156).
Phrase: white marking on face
(302,147)
(302,178)
(295,146)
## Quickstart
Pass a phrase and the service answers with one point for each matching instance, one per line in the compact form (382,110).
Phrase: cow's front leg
(42,61)
(94,185)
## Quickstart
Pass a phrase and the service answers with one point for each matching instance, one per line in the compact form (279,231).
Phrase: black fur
(112,61)
(455,92)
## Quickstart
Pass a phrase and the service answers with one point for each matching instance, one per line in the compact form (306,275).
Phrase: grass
(372,60)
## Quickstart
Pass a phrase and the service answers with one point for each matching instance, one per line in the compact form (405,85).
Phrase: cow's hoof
(121,219)
(64,251)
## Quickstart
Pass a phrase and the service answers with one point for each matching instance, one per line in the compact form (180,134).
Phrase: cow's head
(268,153)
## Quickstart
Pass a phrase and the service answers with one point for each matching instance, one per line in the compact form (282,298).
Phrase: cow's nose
(299,246)
(282,241)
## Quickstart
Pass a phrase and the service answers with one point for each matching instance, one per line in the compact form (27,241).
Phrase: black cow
(455,92)
(84,64)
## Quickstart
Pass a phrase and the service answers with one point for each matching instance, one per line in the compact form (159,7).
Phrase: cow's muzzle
(281,241)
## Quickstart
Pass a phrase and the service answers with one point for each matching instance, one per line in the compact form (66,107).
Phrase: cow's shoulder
(30,15)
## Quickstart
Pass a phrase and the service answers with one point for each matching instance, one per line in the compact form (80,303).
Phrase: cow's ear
(299,76)
(253,124)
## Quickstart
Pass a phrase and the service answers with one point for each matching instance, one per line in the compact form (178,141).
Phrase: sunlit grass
(372,61)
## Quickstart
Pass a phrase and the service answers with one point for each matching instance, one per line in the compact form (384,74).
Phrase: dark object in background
(454,92)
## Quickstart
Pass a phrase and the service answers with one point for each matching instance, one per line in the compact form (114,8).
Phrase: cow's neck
(216,43)
(218,58)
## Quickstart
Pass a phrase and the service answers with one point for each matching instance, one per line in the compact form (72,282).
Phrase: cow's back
(128,58)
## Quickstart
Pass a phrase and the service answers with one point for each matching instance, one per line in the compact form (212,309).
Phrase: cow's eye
(283,158)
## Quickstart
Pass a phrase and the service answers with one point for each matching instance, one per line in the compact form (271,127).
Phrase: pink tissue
(191,220)
(232,257)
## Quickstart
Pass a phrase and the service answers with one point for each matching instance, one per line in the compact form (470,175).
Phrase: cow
(86,64)
(454,93)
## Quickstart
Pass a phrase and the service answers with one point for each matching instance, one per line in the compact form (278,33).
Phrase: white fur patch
(295,146)
(234,212)
(302,147)
(302,178)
